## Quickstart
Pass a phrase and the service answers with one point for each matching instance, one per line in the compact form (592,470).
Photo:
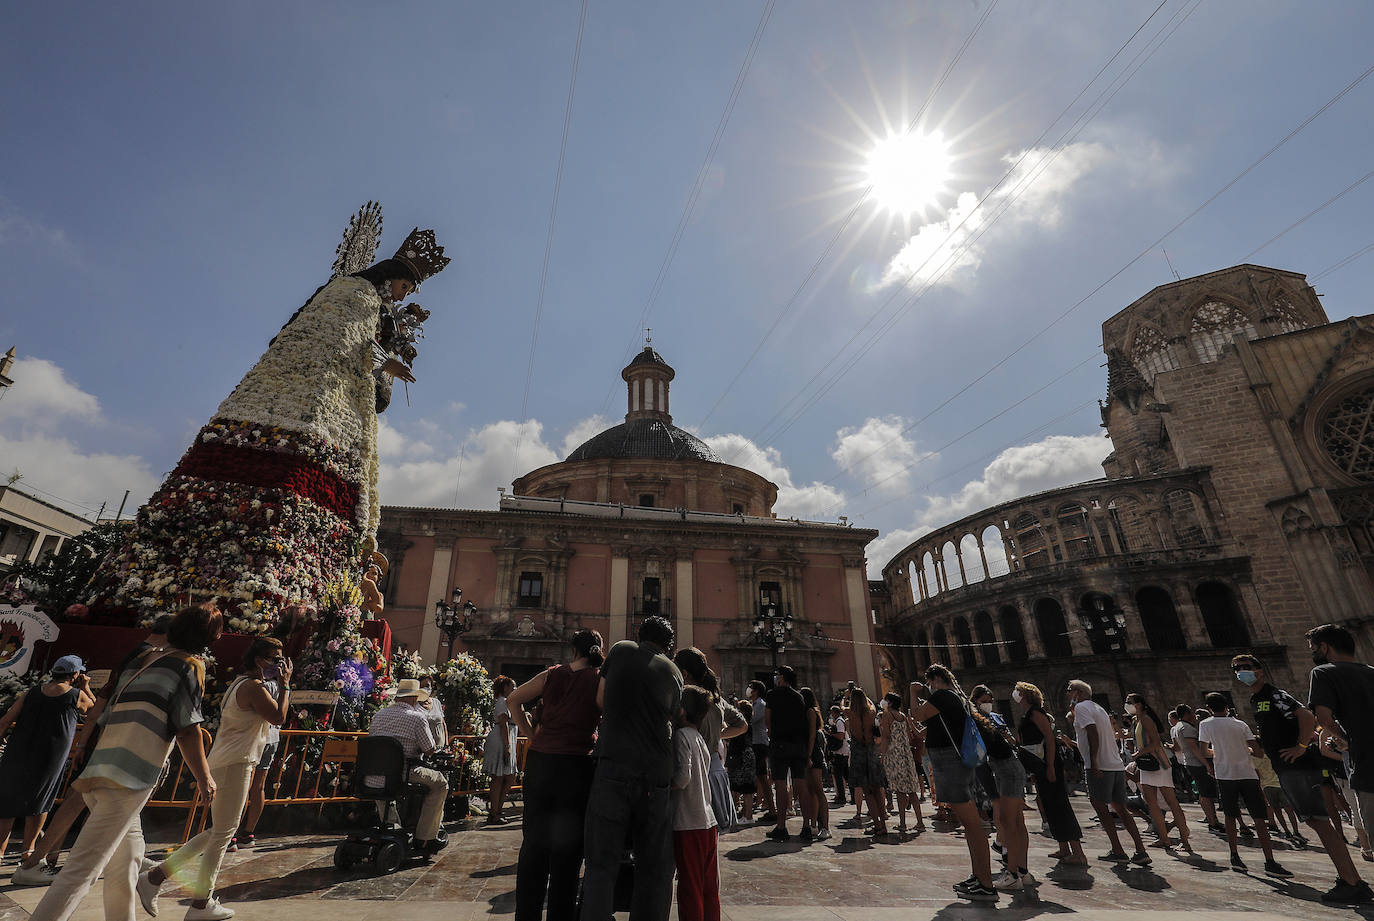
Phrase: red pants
(698,877)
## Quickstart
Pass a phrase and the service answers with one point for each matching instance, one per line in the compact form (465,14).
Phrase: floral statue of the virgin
(277,497)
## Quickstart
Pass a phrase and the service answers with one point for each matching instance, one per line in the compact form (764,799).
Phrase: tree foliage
(61,579)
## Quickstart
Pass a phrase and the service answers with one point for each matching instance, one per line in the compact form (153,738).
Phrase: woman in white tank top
(247,716)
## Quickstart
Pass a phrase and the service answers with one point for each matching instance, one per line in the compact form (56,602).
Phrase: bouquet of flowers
(464,686)
(339,658)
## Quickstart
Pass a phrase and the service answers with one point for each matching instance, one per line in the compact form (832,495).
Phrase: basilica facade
(1236,511)
(643,519)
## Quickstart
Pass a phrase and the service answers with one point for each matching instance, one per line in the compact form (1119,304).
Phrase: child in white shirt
(694,823)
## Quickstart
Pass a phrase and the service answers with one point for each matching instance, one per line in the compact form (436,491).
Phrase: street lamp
(1110,628)
(455,619)
(773,626)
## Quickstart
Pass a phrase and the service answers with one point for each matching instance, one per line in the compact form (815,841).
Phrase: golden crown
(422,254)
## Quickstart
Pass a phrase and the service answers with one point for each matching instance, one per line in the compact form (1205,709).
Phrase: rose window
(1347,435)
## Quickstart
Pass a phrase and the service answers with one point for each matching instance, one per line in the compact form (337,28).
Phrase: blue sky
(176,177)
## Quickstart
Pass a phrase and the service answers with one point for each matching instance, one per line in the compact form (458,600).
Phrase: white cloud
(20,230)
(878,453)
(43,396)
(1058,460)
(466,478)
(582,431)
(1034,195)
(811,501)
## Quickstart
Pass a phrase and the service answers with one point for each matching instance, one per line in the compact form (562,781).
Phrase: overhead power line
(1342,263)
(1302,220)
(548,238)
(1089,113)
(844,224)
(698,184)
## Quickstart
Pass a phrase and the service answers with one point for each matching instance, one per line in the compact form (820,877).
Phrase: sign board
(99,678)
(315,698)
(20,627)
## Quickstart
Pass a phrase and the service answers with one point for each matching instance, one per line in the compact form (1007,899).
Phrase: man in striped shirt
(156,705)
(407,722)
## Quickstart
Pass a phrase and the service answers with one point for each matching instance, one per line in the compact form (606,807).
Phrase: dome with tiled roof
(648,430)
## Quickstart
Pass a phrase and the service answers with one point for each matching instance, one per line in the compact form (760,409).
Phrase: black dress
(1054,797)
(36,753)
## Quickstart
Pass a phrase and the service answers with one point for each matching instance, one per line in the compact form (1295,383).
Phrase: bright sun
(908,171)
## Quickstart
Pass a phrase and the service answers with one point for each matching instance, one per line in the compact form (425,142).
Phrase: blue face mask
(1246,677)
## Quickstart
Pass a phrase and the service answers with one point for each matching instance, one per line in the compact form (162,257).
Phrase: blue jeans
(624,810)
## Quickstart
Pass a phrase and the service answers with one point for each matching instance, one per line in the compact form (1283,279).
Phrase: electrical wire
(829,247)
(697,185)
(1300,221)
(1090,112)
(548,239)
(1342,263)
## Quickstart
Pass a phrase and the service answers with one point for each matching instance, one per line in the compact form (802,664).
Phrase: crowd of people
(638,761)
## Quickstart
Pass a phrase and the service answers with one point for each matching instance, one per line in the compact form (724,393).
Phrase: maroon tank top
(567,724)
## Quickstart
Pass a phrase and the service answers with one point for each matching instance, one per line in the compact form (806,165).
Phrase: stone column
(959,559)
(1133,633)
(620,598)
(683,602)
(1030,629)
(1189,616)
(439,589)
(982,555)
(860,624)
(1078,637)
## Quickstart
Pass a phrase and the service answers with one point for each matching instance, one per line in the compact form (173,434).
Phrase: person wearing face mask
(1342,697)
(1007,786)
(1156,774)
(1106,772)
(1037,738)
(1287,729)
(1195,763)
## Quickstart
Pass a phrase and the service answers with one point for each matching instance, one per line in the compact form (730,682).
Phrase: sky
(901,338)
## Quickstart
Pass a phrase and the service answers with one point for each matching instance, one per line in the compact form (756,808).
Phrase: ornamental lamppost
(773,626)
(1109,628)
(455,619)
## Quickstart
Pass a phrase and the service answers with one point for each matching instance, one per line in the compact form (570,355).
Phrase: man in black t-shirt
(1286,729)
(1342,697)
(640,696)
(788,751)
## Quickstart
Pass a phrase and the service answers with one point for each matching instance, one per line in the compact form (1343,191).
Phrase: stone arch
(1053,629)
(1102,605)
(1216,323)
(949,556)
(973,562)
(987,638)
(1159,617)
(995,549)
(963,638)
(1150,352)
(1221,615)
(932,575)
(1075,532)
(1185,520)
(1032,547)
(940,654)
(1012,634)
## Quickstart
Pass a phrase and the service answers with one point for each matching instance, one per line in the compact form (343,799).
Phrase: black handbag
(1147,762)
(1033,763)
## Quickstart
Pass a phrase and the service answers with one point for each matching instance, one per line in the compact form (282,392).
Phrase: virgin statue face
(400,288)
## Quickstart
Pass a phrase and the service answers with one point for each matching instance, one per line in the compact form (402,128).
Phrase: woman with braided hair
(945,711)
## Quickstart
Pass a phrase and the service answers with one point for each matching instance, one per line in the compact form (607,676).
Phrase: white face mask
(1134,709)
(1016,696)
(986,708)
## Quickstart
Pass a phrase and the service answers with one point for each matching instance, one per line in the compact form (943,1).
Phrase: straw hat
(410,687)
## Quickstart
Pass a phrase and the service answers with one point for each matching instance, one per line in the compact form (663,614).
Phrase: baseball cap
(68,665)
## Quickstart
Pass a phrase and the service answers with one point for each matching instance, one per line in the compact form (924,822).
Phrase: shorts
(761,761)
(1206,784)
(788,759)
(1009,777)
(1275,797)
(1304,791)
(1107,786)
(818,756)
(1234,792)
(952,777)
(268,753)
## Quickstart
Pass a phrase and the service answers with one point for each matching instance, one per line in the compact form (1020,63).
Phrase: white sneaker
(213,911)
(147,893)
(1028,880)
(1007,881)
(41,875)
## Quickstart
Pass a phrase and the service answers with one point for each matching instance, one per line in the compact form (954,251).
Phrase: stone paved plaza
(849,877)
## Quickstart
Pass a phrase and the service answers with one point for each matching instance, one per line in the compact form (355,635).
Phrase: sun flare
(909,171)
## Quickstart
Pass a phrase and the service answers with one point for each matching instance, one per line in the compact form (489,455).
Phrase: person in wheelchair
(406,721)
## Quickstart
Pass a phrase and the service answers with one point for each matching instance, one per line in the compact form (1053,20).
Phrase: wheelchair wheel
(389,857)
(342,859)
